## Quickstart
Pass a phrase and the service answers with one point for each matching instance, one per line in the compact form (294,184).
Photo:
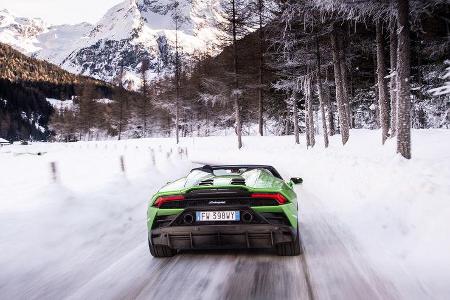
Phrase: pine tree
(320,93)
(344,75)
(260,6)
(88,110)
(145,105)
(393,77)
(295,117)
(342,107)
(328,104)
(309,110)
(381,82)
(236,16)
(120,112)
(403,84)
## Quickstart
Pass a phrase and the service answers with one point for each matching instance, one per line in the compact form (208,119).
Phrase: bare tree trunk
(236,82)
(177,85)
(375,76)
(207,123)
(321,102)
(382,88)
(329,105)
(295,118)
(310,113)
(169,127)
(260,69)
(144,68)
(145,117)
(404,89)
(121,112)
(393,79)
(307,130)
(343,117)
(343,66)
(120,118)
(287,124)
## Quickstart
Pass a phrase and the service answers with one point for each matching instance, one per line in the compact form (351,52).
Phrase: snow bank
(397,210)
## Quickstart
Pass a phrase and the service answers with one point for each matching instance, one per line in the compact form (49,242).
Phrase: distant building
(4,142)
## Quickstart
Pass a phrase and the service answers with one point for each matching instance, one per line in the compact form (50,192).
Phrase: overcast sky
(60,11)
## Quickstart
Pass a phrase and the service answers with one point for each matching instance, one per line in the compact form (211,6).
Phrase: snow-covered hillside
(59,41)
(371,221)
(127,34)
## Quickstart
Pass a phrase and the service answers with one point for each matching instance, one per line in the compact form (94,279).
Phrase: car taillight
(278,197)
(164,199)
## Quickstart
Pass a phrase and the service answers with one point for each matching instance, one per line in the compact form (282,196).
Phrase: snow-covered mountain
(36,38)
(127,34)
(20,33)
(130,32)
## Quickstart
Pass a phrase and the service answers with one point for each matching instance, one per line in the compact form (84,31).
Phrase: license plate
(211,216)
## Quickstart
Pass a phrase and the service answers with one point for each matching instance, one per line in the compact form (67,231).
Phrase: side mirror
(297,180)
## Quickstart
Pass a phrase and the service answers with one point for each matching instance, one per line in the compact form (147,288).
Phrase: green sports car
(224,207)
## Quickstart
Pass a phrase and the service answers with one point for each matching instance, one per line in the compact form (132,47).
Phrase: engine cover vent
(206,182)
(238,181)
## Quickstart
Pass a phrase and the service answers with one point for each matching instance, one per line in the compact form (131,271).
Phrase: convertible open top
(212,168)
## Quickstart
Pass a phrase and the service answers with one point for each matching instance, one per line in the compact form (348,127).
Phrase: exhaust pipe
(247,217)
(188,219)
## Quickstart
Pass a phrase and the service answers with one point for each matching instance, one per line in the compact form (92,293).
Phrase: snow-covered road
(84,236)
(332,268)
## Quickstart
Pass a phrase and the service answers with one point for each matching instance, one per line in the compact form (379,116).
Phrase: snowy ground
(374,225)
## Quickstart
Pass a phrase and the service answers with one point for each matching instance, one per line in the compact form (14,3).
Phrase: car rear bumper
(223,236)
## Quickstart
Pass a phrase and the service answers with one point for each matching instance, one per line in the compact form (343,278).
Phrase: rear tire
(293,248)
(161,250)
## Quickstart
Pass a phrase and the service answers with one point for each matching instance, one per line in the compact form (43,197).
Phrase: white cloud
(60,11)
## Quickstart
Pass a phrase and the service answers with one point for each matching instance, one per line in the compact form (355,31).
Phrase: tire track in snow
(199,275)
(306,271)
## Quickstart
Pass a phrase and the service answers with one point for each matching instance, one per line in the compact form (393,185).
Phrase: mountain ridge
(128,33)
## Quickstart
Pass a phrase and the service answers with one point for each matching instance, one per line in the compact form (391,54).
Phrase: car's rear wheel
(293,248)
(161,250)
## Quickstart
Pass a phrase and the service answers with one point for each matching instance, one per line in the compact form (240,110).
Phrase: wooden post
(153,156)
(122,164)
(54,171)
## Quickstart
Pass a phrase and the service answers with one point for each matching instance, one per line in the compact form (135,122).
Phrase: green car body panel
(256,181)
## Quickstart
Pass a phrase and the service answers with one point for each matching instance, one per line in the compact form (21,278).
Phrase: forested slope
(25,83)
(294,37)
